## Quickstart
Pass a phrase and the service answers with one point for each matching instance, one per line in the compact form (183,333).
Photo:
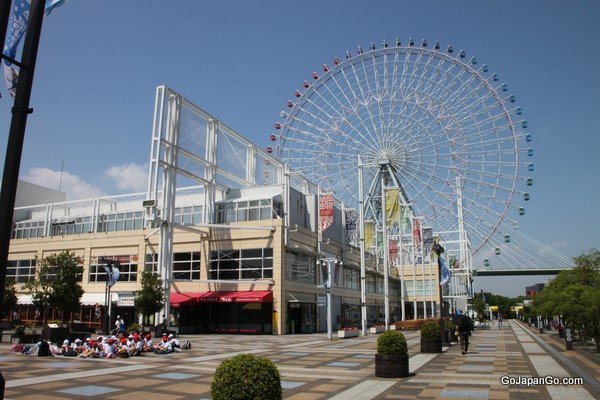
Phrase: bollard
(568,339)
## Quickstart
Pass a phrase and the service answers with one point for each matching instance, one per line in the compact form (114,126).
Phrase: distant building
(532,291)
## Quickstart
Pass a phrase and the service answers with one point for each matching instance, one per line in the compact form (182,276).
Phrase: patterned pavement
(312,367)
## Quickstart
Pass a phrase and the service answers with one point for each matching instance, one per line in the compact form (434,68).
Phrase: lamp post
(330,262)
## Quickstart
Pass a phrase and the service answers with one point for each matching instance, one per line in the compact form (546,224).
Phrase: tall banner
(379,244)
(427,240)
(405,218)
(325,212)
(417,234)
(392,210)
(369,235)
(351,231)
(17,27)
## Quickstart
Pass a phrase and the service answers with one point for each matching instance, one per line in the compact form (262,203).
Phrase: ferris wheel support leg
(363,270)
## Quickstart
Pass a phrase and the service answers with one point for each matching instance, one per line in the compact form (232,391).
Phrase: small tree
(9,301)
(149,300)
(66,286)
(57,284)
(40,290)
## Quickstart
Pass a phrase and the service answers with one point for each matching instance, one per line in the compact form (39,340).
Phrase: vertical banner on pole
(351,231)
(417,235)
(325,212)
(370,235)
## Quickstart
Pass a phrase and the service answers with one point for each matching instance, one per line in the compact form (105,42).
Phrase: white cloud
(75,187)
(130,177)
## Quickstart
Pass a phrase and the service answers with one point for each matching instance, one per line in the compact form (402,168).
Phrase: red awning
(190,298)
(177,299)
(237,297)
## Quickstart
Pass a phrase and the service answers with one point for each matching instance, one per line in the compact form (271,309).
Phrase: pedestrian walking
(464,326)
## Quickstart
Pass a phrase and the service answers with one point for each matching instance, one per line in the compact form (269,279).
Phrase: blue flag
(445,271)
(16,30)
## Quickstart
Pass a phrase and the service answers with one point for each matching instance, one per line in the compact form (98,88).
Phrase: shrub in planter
(246,376)
(431,337)
(391,360)
(134,327)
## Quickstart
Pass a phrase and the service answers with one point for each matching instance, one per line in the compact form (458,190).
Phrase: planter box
(348,334)
(391,366)
(431,345)
(377,329)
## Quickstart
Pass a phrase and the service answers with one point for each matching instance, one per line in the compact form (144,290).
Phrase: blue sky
(99,64)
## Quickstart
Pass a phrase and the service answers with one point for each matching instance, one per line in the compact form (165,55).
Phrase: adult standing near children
(464,325)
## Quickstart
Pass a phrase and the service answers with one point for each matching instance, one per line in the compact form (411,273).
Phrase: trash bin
(54,333)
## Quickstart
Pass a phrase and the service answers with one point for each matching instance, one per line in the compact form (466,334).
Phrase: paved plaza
(312,367)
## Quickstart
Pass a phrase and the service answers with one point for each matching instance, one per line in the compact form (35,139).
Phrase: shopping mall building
(240,237)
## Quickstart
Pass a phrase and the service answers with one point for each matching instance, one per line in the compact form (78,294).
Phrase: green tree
(40,290)
(9,301)
(57,284)
(149,300)
(478,306)
(66,286)
(575,294)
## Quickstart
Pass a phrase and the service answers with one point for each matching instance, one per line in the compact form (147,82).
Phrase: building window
(380,282)
(127,269)
(241,264)
(21,271)
(394,287)
(191,215)
(371,283)
(186,265)
(151,262)
(121,221)
(29,229)
(351,279)
(253,210)
(71,226)
(300,268)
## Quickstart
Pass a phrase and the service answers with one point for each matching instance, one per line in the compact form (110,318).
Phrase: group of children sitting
(110,346)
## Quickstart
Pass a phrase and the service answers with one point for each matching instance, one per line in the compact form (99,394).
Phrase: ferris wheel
(443,121)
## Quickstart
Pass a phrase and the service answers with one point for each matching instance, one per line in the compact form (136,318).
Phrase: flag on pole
(16,30)
(114,276)
(325,212)
(351,220)
(445,271)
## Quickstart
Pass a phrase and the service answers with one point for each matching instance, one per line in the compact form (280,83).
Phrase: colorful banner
(351,217)
(392,207)
(393,249)
(379,244)
(325,212)
(405,218)
(427,240)
(417,234)
(369,236)
(16,30)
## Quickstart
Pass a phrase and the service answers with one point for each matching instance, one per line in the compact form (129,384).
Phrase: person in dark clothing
(464,326)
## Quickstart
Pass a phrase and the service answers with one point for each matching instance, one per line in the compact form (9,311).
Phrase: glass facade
(241,264)
(253,210)
(127,267)
(300,268)
(21,271)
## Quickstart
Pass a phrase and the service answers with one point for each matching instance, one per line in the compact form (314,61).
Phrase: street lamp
(330,262)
